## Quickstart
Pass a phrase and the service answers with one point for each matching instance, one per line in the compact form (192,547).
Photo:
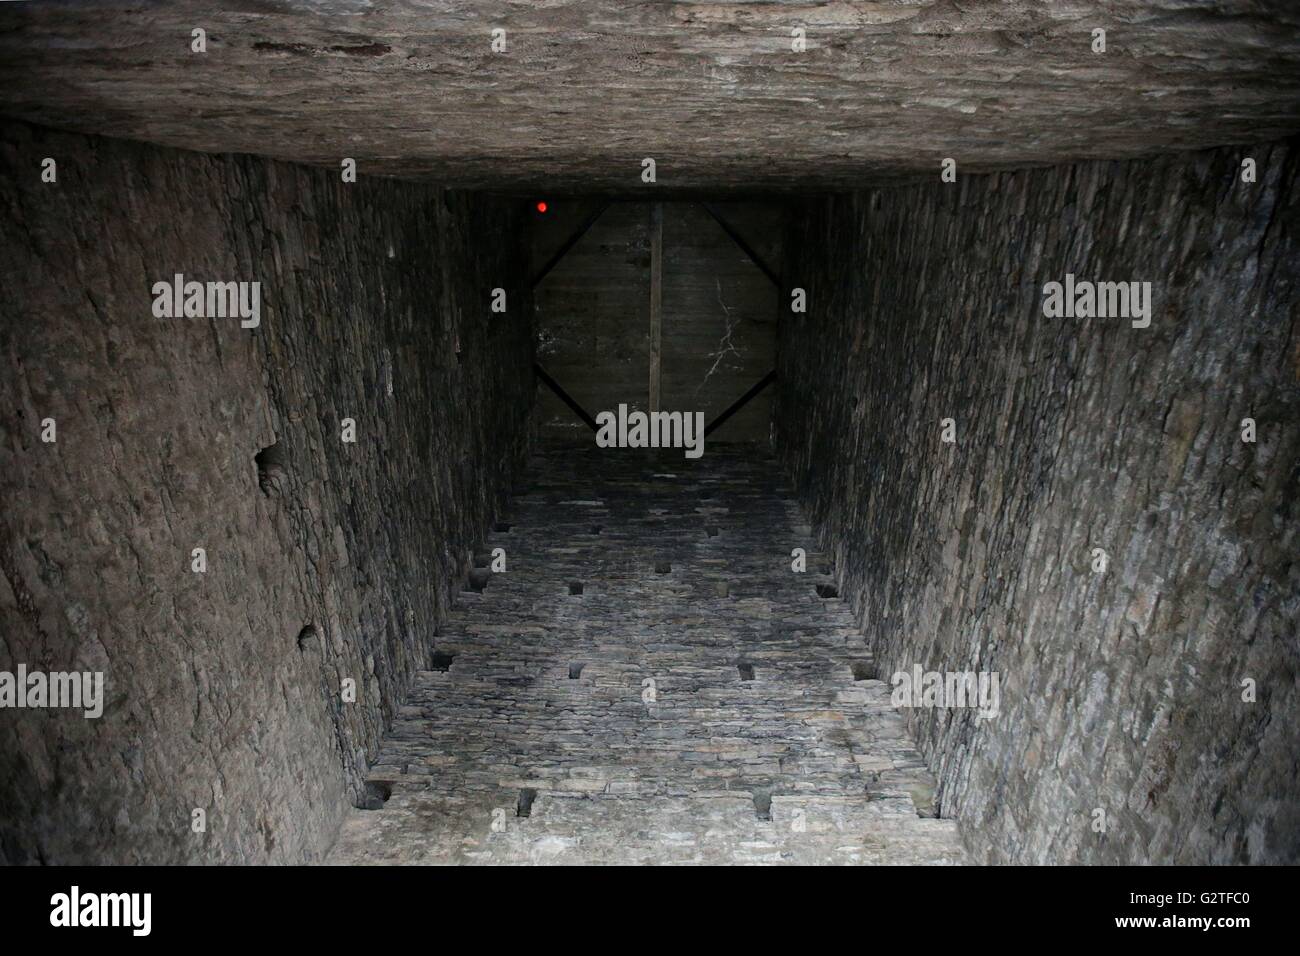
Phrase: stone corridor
(649,681)
(317,310)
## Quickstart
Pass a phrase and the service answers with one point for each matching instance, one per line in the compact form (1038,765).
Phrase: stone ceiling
(711,90)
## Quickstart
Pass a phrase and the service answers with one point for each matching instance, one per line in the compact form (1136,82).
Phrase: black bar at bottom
(230,904)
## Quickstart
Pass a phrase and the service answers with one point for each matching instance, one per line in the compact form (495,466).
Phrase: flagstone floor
(650,682)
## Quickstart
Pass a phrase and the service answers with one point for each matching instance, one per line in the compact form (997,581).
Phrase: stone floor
(764,736)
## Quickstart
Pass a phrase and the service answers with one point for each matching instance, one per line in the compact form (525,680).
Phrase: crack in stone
(726,346)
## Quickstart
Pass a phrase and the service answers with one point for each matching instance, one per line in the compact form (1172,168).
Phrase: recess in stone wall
(270,462)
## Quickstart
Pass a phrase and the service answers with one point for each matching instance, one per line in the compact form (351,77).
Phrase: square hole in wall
(827,591)
(270,463)
(441,662)
(524,807)
(575,587)
(308,638)
(376,794)
(746,670)
(575,670)
(865,670)
(501,527)
(663,567)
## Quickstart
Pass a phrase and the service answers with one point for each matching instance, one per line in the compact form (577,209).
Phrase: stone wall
(718,93)
(1120,691)
(325,560)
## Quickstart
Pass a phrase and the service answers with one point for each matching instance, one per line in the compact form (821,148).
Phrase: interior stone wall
(326,560)
(1122,691)
(716,92)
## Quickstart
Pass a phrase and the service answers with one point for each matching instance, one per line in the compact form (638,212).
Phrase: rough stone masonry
(1036,392)
(1122,673)
(325,560)
(720,93)
(646,681)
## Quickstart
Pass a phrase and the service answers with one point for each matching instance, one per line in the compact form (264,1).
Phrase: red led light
(541,207)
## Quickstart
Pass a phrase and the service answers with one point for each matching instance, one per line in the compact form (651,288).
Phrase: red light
(541,207)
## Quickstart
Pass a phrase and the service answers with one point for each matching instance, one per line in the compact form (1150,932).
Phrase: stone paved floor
(769,741)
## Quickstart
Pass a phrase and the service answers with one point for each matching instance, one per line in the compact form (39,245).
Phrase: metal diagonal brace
(740,403)
(564,396)
(745,247)
(569,244)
